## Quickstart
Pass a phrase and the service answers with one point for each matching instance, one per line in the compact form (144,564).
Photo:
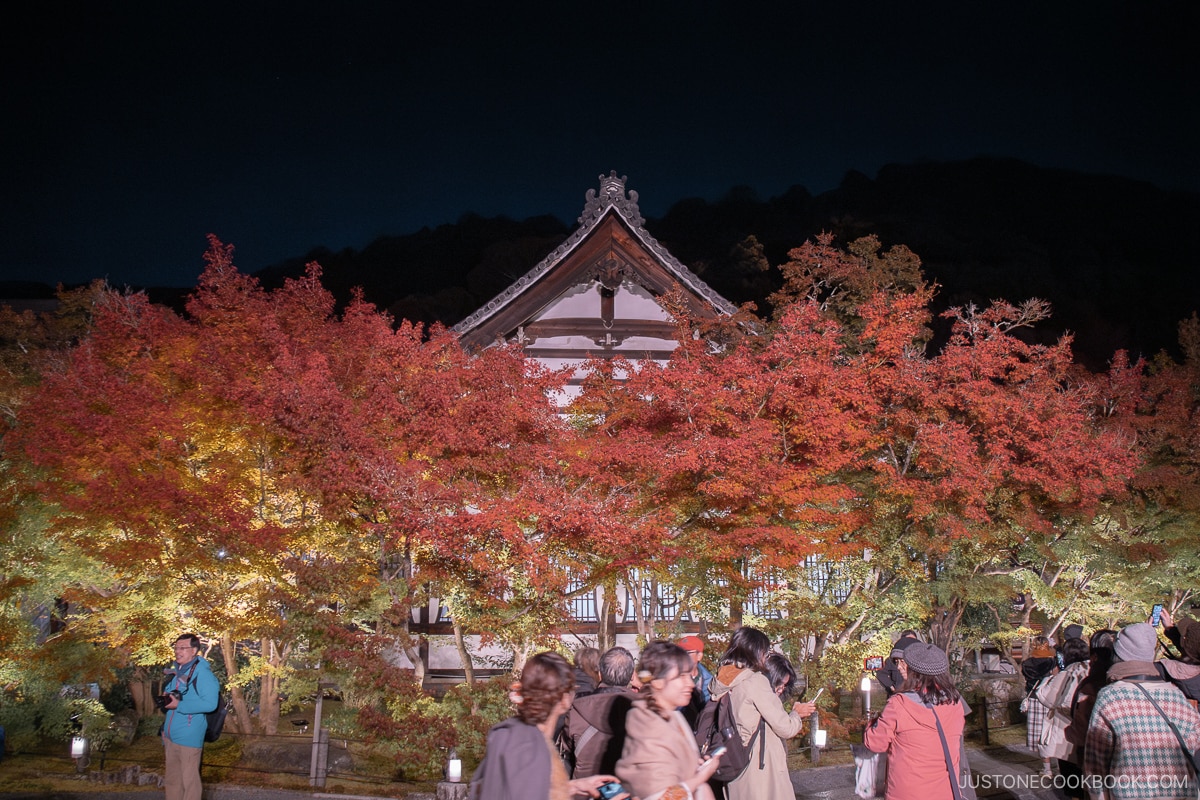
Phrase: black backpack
(717,728)
(216,719)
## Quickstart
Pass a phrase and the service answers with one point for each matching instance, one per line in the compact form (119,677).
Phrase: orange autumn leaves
(265,432)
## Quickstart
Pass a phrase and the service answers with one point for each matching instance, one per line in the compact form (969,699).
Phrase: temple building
(598,294)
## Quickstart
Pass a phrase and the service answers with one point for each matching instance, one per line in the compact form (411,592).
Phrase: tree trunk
(945,621)
(605,638)
(461,643)
(411,645)
(141,689)
(242,722)
(643,611)
(268,698)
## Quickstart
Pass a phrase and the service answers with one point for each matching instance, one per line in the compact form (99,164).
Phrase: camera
(163,700)
(610,790)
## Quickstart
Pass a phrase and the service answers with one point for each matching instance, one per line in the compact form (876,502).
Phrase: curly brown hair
(544,681)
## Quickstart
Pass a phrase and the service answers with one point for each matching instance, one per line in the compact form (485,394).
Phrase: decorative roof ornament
(612,193)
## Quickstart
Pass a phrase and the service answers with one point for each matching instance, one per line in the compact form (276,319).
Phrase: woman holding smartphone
(743,674)
(921,730)
(521,762)
(660,759)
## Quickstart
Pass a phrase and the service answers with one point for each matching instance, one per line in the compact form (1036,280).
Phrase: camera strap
(187,679)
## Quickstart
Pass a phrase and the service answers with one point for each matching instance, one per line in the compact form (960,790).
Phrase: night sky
(131,132)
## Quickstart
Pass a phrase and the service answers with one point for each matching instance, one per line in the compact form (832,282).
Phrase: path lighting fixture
(79,752)
(454,767)
(866,690)
(819,737)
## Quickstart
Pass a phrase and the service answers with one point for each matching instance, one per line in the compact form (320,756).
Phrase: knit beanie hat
(1073,632)
(1136,642)
(902,645)
(926,659)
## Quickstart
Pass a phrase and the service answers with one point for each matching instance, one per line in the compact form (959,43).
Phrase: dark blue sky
(130,133)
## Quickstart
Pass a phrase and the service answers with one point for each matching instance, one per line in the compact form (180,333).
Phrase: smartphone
(1156,615)
(610,790)
(817,696)
(1062,663)
(718,751)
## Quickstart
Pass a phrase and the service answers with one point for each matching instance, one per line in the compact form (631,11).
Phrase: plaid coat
(1130,742)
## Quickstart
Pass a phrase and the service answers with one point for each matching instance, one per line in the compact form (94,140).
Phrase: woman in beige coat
(660,759)
(741,675)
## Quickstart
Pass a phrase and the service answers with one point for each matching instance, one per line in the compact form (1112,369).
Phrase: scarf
(1125,669)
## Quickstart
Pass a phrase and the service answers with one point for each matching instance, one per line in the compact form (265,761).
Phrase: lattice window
(654,593)
(758,602)
(582,606)
(826,579)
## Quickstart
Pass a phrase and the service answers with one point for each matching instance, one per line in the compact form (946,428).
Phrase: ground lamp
(866,690)
(452,788)
(79,752)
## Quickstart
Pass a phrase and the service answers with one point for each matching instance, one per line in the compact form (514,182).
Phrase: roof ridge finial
(612,193)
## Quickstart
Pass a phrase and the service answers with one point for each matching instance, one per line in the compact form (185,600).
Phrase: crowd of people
(609,727)
(1117,721)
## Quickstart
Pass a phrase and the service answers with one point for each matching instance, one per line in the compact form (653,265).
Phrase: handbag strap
(946,752)
(1191,758)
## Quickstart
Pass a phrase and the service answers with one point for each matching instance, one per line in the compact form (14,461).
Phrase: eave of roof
(611,199)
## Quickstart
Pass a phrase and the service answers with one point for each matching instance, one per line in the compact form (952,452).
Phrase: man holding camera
(191,693)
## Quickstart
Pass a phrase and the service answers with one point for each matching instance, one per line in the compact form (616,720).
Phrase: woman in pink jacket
(907,730)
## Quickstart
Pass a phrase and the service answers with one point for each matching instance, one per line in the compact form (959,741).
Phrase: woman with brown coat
(742,675)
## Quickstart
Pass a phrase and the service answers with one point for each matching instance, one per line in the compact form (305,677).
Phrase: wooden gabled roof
(610,247)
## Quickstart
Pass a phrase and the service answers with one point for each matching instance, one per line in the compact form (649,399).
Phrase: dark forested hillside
(1117,258)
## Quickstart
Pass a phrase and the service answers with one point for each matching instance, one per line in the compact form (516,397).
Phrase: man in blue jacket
(189,695)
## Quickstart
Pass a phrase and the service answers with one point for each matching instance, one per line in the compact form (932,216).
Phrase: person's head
(545,681)
(665,671)
(186,647)
(781,674)
(1074,651)
(929,675)
(1041,648)
(1102,640)
(616,667)
(694,646)
(1136,642)
(1100,644)
(1189,639)
(748,649)
(907,637)
(588,660)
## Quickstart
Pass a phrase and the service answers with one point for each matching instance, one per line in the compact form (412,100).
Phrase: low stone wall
(1003,695)
(128,776)
(290,755)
